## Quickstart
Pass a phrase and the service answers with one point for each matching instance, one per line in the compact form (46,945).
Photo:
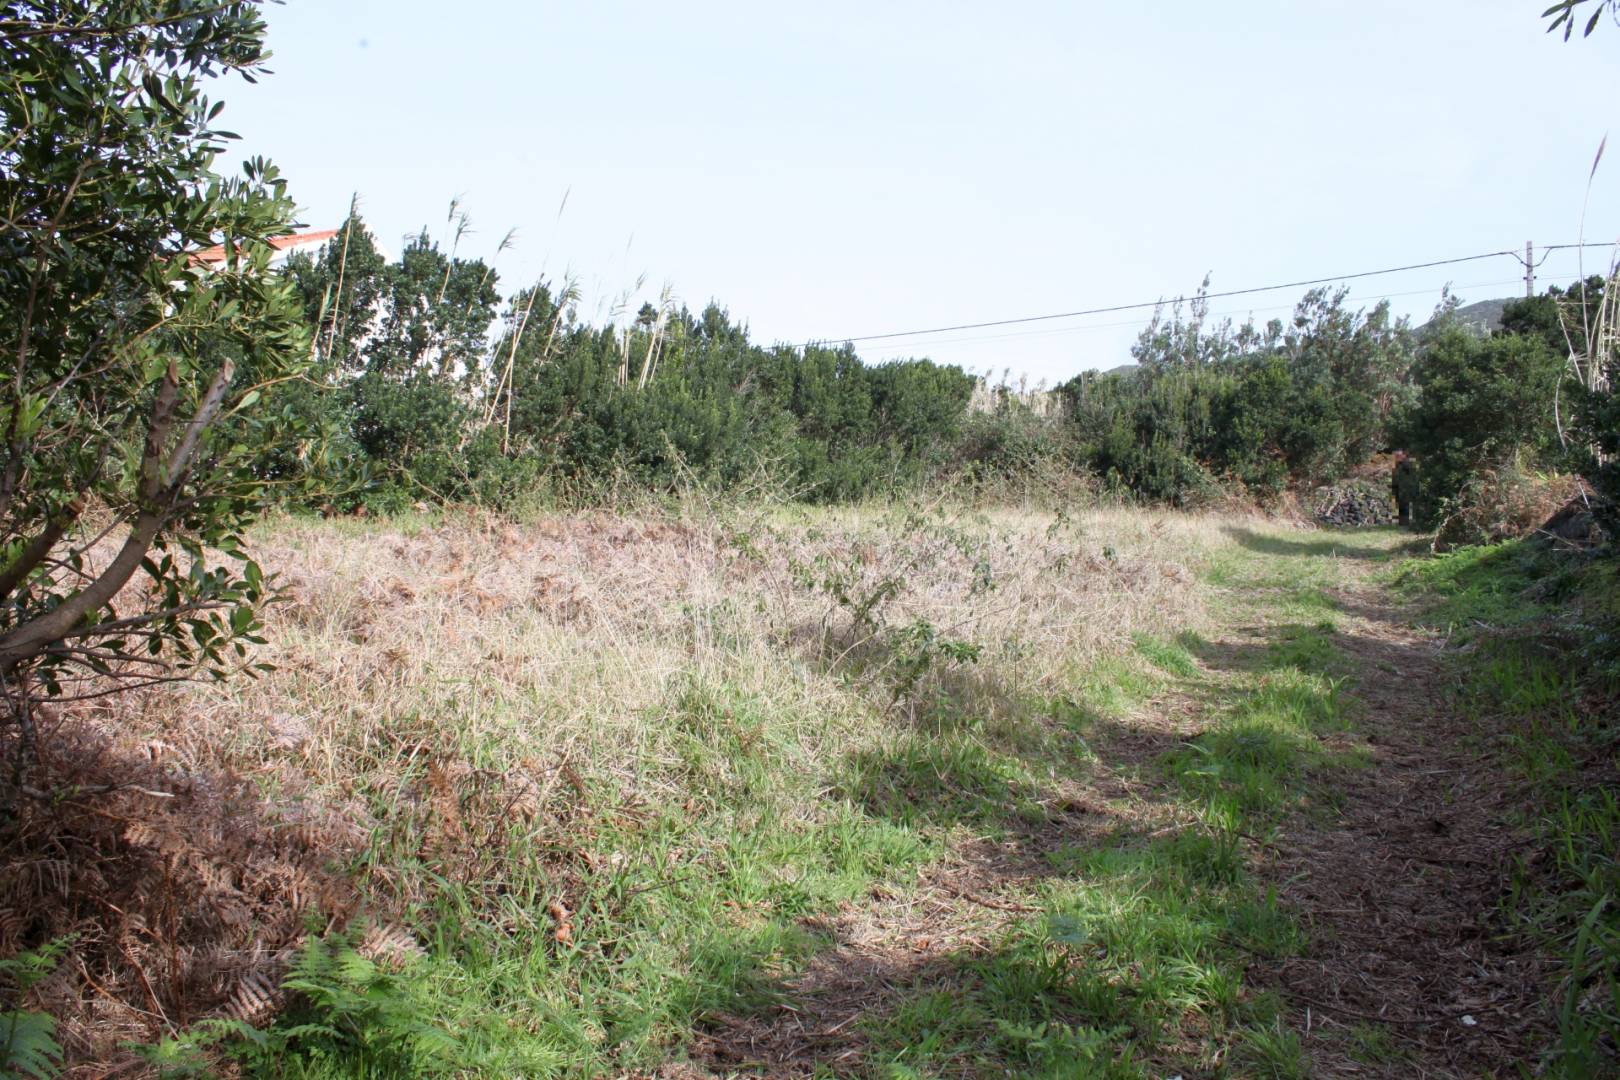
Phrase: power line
(1090,327)
(1571,247)
(1146,304)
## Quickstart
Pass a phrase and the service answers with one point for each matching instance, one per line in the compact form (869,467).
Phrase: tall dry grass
(447,692)
(561,636)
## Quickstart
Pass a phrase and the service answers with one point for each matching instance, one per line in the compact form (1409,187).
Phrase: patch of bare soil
(1400,889)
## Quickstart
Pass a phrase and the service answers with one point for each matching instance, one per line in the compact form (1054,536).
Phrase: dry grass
(441,684)
(560,638)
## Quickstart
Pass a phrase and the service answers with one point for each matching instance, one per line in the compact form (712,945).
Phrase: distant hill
(1122,369)
(1484,317)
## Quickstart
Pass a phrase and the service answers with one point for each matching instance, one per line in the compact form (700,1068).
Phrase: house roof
(284,245)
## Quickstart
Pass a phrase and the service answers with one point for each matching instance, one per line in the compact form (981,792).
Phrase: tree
(1358,365)
(436,311)
(135,375)
(1566,14)
(341,288)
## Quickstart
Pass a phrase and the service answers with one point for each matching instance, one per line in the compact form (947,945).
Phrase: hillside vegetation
(401,677)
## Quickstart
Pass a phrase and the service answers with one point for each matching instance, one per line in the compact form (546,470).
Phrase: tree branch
(35,553)
(36,635)
(213,400)
(159,489)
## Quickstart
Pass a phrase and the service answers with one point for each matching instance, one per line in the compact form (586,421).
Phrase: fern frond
(391,947)
(297,1032)
(435,1042)
(354,968)
(28,1045)
(255,1000)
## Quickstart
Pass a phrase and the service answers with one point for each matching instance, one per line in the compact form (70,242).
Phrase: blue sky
(842,169)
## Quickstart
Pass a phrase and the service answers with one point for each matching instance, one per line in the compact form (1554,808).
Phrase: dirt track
(1401,890)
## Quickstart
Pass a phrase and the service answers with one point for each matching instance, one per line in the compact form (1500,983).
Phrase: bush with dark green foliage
(1482,402)
(439,413)
(436,412)
(1259,407)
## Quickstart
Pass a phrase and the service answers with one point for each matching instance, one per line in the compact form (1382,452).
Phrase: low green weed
(1274,1051)
(28,1046)
(1168,656)
(1140,946)
(1113,686)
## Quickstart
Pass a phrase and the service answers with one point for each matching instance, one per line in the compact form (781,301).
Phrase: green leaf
(28,1045)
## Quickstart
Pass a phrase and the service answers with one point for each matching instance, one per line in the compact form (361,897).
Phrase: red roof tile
(216,254)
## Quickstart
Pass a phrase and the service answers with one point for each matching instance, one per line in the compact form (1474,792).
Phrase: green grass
(1479,585)
(1171,657)
(1140,946)
(938,780)
(1259,757)
(1113,686)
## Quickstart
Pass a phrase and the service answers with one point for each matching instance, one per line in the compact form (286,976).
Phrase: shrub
(1501,501)
(1482,403)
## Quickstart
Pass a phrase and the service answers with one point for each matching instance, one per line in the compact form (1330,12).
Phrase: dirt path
(1397,876)
(1401,890)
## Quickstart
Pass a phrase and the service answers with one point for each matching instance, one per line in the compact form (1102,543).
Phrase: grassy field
(892,793)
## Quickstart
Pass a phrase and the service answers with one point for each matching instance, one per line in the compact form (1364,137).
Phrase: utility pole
(1529,270)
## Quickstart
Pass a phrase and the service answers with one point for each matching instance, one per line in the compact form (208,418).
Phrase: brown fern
(255,1000)
(390,946)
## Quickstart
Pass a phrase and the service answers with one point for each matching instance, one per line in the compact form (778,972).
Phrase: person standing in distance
(1404,484)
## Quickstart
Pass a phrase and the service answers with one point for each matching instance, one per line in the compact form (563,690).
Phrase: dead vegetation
(438,687)
(181,891)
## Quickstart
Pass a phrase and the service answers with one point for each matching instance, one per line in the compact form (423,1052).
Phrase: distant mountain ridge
(1484,317)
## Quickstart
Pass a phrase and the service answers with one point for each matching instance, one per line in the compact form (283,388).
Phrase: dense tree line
(433,387)
(1213,406)
(437,389)
(1210,409)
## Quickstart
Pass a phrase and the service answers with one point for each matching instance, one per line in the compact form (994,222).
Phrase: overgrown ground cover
(1537,673)
(719,791)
